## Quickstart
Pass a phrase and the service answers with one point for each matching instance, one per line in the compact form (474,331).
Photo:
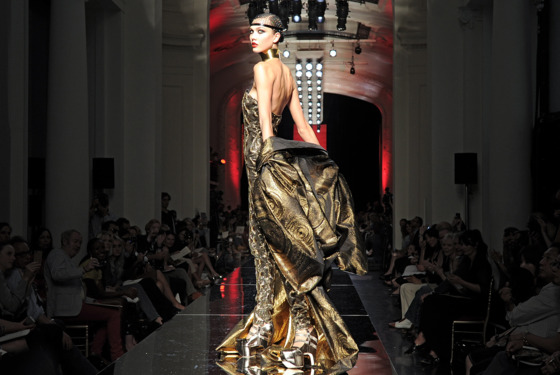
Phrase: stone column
(509,132)
(67,160)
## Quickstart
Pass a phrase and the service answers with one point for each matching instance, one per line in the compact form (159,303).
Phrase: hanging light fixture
(352,70)
(332,52)
(358,49)
(286,52)
(296,11)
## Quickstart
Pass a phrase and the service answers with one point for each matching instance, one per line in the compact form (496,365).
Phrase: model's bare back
(282,84)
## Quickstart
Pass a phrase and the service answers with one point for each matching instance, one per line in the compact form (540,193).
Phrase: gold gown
(301,220)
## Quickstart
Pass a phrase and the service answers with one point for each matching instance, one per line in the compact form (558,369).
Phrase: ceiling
(372,81)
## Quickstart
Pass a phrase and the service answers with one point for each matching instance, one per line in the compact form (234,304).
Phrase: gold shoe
(258,338)
(295,358)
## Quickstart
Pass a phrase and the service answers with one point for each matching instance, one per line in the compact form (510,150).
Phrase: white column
(509,133)
(67,161)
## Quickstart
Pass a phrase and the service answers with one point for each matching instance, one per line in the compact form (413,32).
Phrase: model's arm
(263,83)
(305,131)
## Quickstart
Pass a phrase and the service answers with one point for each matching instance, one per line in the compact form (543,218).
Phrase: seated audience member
(60,348)
(98,214)
(41,246)
(137,267)
(158,254)
(147,243)
(412,295)
(198,259)
(538,316)
(42,349)
(65,295)
(464,292)
(5,232)
(423,273)
(14,302)
(151,301)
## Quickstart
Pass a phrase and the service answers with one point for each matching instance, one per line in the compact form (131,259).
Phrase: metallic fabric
(301,221)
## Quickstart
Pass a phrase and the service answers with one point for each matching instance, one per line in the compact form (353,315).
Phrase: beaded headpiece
(269,20)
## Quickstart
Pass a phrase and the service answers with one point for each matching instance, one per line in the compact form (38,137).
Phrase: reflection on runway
(186,344)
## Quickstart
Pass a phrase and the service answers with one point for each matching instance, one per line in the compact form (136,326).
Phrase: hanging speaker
(103,173)
(466,168)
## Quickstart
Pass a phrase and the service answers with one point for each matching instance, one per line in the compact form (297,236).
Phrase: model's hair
(270,20)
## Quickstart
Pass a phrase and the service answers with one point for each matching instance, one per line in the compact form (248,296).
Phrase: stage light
(308,74)
(285,12)
(319,73)
(299,66)
(223,161)
(309,82)
(296,11)
(321,7)
(319,66)
(312,14)
(286,53)
(273,7)
(299,73)
(256,7)
(342,14)
(298,81)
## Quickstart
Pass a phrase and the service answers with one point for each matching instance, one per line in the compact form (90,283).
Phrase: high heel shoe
(294,358)
(259,337)
(249,366)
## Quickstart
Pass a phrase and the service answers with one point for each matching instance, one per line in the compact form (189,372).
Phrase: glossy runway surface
(185,345)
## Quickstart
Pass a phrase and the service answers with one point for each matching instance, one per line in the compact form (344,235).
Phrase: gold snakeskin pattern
(252,146)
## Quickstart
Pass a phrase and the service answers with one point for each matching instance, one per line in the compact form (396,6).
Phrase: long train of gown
(301,221)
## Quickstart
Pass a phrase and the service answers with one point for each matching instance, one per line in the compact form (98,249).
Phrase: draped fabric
(302,215)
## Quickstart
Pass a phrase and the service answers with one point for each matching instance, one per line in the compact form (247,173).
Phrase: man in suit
(65,298)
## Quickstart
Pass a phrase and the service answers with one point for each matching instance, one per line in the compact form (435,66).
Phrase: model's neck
(270,54)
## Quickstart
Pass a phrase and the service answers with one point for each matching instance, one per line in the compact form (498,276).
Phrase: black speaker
(103,173)
(466,168)
(36,173)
